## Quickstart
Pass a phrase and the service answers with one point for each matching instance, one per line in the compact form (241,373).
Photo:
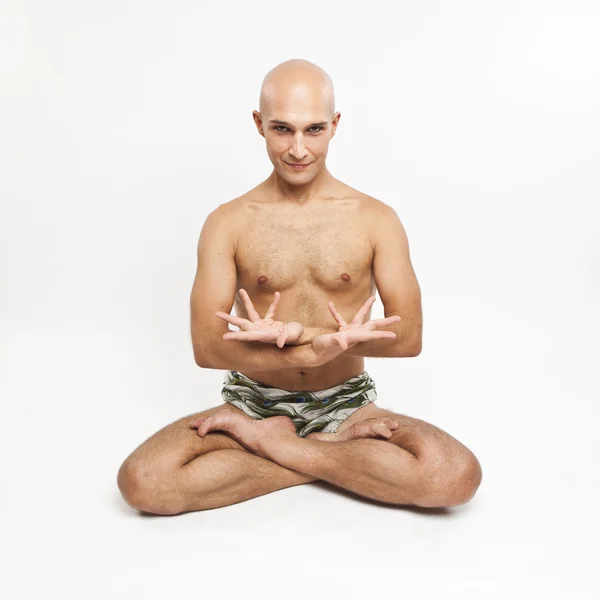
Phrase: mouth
(297,166)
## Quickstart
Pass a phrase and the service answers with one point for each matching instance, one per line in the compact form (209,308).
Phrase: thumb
(282,337)
(342,341)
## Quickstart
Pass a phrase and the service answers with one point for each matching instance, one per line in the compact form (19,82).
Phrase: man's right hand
(262,330)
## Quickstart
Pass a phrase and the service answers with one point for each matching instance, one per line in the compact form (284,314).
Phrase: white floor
(75,403)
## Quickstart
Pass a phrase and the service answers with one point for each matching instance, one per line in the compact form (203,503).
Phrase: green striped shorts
(322,411)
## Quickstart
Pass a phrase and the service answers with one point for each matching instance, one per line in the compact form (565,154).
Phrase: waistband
(241,385)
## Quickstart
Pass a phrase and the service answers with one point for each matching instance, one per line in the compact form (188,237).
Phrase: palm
(327,346)
(261,330)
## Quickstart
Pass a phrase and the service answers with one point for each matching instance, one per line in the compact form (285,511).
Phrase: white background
(123,124)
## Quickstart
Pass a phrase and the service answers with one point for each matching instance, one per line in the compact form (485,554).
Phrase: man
(298,406)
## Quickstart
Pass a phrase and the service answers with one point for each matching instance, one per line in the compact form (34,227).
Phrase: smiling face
(297,120)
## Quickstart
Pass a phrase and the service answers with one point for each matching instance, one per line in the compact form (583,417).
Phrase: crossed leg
(425,467)
(177,471)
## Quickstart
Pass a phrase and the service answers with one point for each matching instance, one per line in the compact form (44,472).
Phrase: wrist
(303,356)
(310,333)
(305,338)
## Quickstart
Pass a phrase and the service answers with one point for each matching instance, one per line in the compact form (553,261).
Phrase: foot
(369,428)
(253,434)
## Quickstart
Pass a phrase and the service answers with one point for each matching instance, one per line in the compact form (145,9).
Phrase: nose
(298,150)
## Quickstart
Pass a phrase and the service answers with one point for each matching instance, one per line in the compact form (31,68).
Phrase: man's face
(297,133)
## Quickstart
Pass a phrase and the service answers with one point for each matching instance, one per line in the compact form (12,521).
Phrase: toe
(382,430)
(204,425)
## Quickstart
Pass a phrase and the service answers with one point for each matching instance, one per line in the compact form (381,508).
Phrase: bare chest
(323,255)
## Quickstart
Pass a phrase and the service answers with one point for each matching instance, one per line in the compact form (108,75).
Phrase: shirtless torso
(311,254)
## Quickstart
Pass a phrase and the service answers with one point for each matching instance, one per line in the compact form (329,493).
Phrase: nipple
(346,277)
(262,279)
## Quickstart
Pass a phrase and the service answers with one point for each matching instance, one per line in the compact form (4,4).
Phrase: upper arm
(215,282)
(394,275)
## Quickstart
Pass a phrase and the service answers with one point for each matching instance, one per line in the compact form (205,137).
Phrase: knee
(468,480)
(458,484)
(144,491)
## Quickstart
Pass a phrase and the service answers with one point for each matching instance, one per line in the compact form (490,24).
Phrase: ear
(258,121)
(334,123)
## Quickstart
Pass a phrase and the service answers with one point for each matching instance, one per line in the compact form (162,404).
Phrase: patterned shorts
(323,411)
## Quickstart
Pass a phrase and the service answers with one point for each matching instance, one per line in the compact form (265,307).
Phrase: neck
(302,193)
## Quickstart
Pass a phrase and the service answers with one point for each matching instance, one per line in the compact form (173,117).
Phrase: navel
(262,279)
(346,277)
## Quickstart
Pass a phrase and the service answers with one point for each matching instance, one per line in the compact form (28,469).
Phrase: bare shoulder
(382,220)
(226,219)
(368,205)
(377,209)
(229,210)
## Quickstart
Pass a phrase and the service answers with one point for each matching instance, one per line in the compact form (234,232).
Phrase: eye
(280,128)
(316,127)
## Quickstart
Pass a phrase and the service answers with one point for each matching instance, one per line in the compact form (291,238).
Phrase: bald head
(296,82)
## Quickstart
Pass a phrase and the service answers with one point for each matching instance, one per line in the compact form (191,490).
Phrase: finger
(364,335)
(375,323)
(271,312)
(362,311)
(252,314)
(379,335)
(255,335)
(336,315)
(238,321)
(282,337)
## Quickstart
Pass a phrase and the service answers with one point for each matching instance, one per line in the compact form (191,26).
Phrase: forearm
(237,355)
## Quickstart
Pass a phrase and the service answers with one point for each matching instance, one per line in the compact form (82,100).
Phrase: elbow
(417,347)
(205,363)
(199,359)
(201,362)
(203,358)
(206,346)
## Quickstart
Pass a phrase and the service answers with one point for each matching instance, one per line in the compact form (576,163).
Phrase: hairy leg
(416,464)
(432,467)
(176,471)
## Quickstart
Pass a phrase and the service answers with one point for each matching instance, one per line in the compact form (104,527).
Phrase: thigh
(178,443)
(175,470)
(418,437)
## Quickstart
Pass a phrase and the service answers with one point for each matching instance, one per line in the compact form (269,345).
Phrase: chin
(300,178)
